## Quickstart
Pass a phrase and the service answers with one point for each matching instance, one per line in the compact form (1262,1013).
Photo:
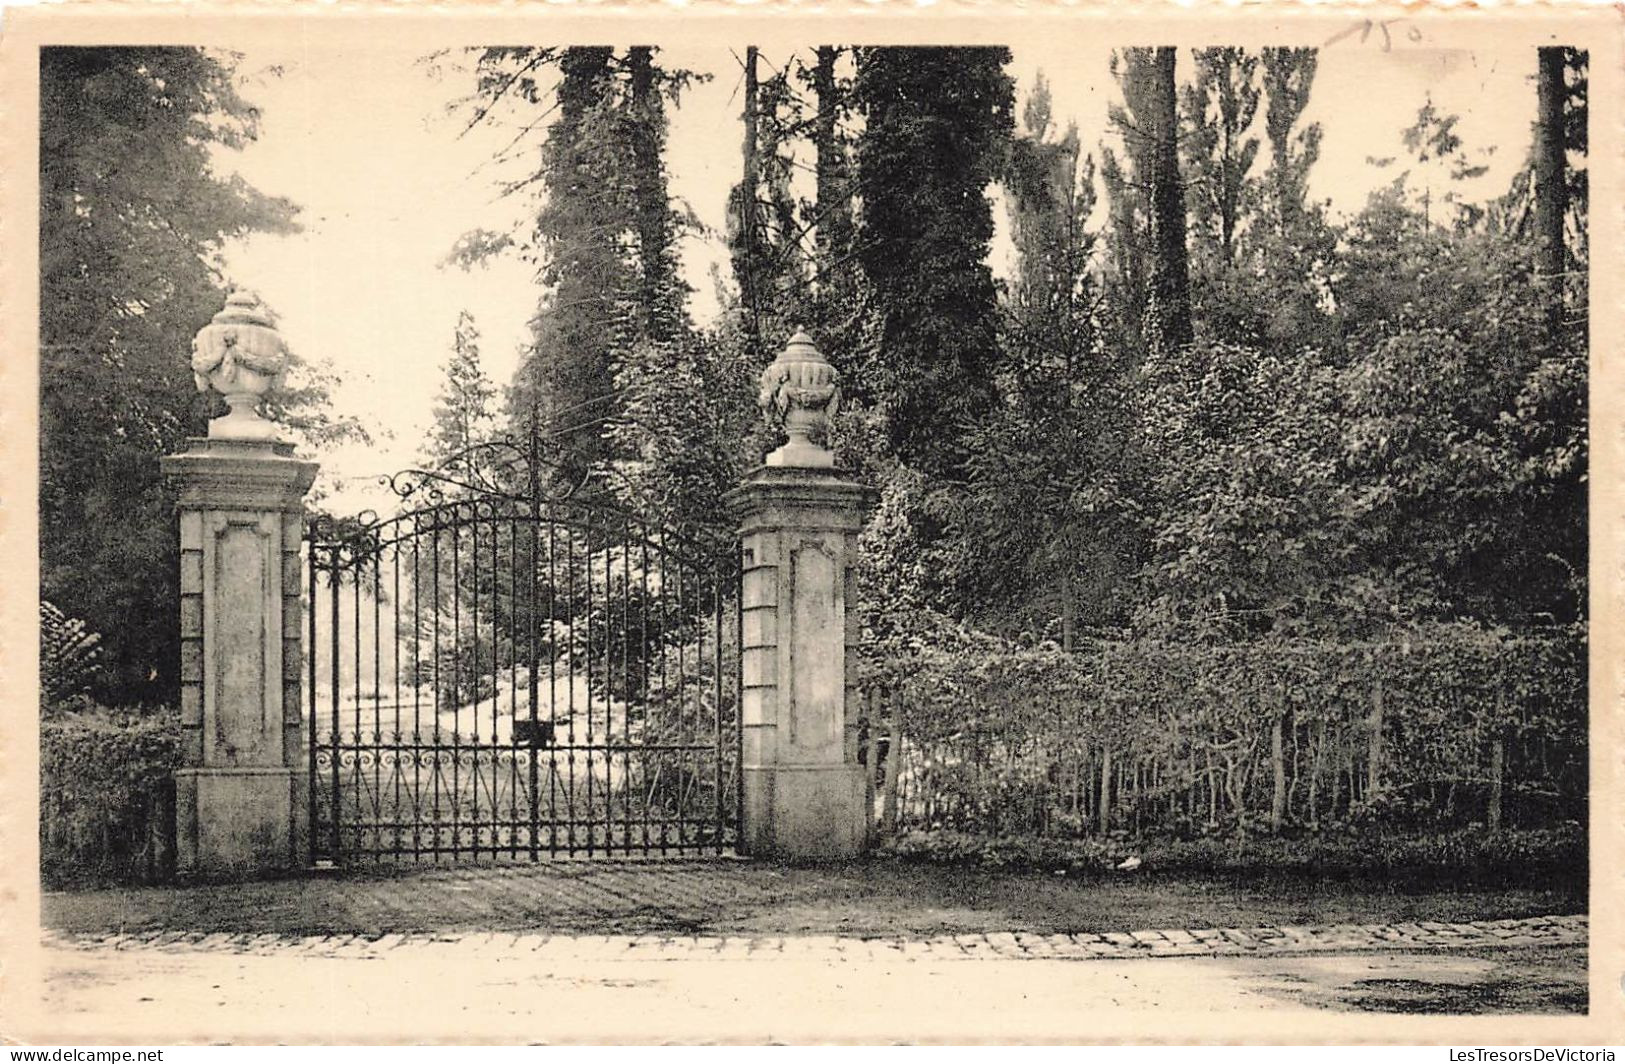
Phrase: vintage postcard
(697,523)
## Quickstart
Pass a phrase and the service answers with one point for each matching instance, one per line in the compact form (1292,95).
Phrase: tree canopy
(1198,403)
(133,217)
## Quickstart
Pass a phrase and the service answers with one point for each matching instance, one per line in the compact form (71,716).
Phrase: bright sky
(364,142)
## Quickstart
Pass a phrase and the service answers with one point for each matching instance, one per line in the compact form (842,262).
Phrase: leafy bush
(107,798)
(69,655)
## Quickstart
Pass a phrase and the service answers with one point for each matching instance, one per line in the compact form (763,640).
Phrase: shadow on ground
(1468,982)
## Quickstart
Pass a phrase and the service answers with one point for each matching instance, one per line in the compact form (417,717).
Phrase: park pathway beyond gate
(509,670)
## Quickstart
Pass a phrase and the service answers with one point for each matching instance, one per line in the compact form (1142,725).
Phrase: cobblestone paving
(870,899)
(1161,942)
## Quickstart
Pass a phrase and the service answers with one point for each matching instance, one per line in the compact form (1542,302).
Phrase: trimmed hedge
(1455,856)
(1438,728)
(107,795)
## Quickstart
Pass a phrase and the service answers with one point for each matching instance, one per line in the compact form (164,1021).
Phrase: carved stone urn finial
(240,355)
(799,388)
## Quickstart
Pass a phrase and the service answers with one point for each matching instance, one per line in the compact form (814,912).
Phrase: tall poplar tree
(1218,147)
(1293,241)
(1037,526)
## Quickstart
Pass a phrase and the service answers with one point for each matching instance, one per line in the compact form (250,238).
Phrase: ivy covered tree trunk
(937,122)
(833,228)
(660,297)
(1170,308)
(1551,190)
(839,304)
(567,376)
(1148,202)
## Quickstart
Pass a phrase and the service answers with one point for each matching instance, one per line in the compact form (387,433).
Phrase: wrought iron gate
(501,671)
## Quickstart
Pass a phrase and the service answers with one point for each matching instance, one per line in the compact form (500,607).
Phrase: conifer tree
(464,413)
(566,379)
(937,121)
(1037,526)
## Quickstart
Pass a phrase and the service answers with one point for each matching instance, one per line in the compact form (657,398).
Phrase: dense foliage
(1360,427)
(1255,469)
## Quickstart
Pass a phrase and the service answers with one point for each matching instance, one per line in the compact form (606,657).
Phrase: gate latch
(533,733)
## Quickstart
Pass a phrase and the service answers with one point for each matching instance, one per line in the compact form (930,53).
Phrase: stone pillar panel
(813,657)
(242,639)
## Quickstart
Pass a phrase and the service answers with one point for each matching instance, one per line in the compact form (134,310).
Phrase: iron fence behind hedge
(1464,728)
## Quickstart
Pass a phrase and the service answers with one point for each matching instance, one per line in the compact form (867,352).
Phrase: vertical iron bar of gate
(666,756)
(395,637)
(682,707)
(476,685)
(626,680)
(377,710)
(333,591)
(456,681)
(312,794)
(535,752)
(716,826)
(434,668)
(552,693)
(512,625)
(355,662)
(474,772)
(570,691)
(586,572)
(497,749)
(496,698)
(609,699)
(417,691)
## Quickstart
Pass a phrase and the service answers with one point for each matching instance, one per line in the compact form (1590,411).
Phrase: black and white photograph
(803,529)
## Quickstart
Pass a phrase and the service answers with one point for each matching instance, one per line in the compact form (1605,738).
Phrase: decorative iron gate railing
(516,674)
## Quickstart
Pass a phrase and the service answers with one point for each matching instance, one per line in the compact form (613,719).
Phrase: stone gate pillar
(799,521)
(240,797)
